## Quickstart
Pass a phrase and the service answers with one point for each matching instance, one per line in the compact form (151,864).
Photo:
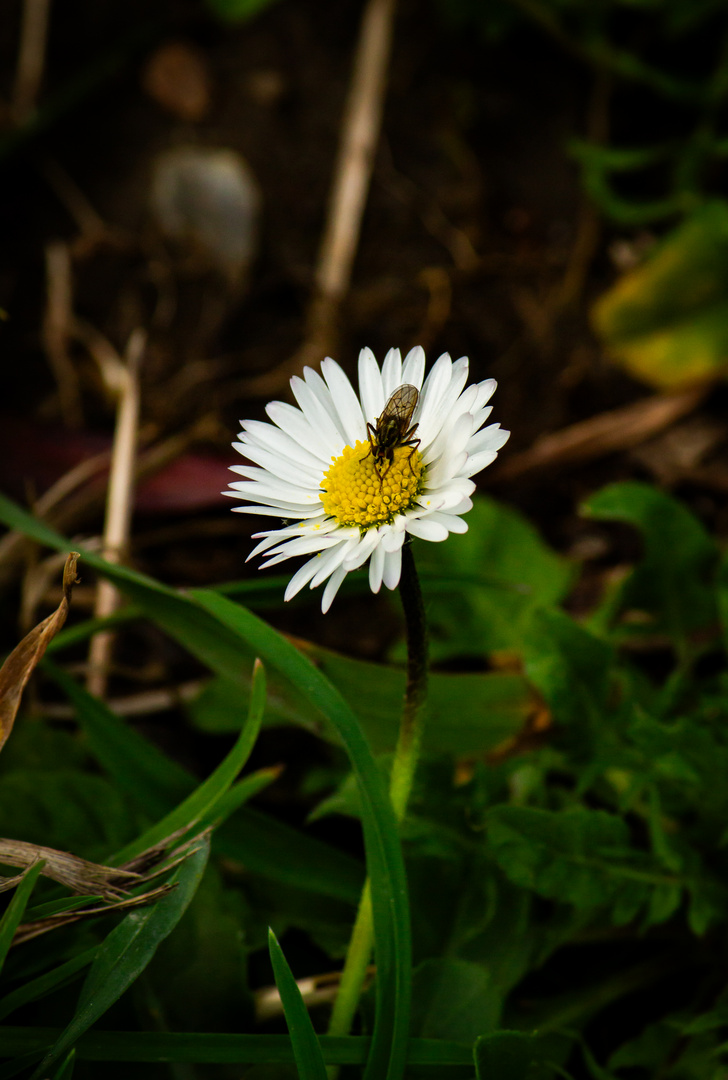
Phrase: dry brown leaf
(24,658)
(606,433)
(78,875)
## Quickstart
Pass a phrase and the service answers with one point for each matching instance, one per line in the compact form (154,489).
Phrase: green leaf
(466,713)
(199,1047)
(37,988)
(453,999)
(65,1069)
(571,667)
(482,586)
(578,856)
(157,784)
(306,1048)
(127,950)
(14,911)
(667,320)
(674,582)
(221,634)
(506,1055)
(206,802)
(154,781)
(384,857)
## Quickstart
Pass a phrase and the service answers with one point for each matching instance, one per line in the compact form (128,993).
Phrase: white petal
(450,522)
(391,372)
(486,389)
(274,511)
(490,438)
(301,577)
(273,489)
(331,561)
(413,370)
(371,390)
(376,568)
(478,462)
(318,415)
(345,401)
(290,471)
(447,467)
(435,387)
(392,539)
(480,416)
(361,553)
(294,423)
(301,545)
(392,568)
(268,437)
(332,587)
(427,529)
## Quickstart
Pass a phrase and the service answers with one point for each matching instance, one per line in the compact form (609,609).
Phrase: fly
(393,428)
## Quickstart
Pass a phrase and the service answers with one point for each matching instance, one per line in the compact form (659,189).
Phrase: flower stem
(404,764)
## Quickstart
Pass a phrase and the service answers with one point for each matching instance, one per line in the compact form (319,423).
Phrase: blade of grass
(384,856)
(126,952)
(14,911)
(305,1044)
(45,984)
(221,633)
(220,1049)
(157,785)
(206,800)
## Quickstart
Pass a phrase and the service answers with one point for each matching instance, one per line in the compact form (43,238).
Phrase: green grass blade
(221,1049)
(204,803)
(305,1044)
(220,634)
(14,911)
(45,984)
(384,856)
(126,952)
(157,785)
(110,734)
(65,1069)
(139,769)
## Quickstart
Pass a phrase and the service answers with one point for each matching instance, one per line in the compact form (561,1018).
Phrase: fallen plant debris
(25,657)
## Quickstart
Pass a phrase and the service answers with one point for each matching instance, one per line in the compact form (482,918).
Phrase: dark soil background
(477,240)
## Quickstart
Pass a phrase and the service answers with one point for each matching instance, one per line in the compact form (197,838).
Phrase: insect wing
(401,405)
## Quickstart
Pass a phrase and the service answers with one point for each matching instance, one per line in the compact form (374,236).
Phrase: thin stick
(57,323)
(361,125)
(360,134)
(31,57)
(118,506)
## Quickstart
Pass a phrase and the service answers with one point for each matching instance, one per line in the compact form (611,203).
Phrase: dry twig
(360,130)
(619,429)
(119,503)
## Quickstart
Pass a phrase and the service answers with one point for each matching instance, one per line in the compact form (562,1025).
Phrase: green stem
(404,764)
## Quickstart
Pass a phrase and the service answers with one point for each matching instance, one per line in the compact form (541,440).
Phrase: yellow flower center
(354,492)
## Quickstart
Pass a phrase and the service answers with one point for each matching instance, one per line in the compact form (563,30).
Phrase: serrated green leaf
(481,586)
(578,856)
(571,667)
(674,582)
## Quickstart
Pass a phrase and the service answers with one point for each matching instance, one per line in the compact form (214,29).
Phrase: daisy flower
(352,477)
